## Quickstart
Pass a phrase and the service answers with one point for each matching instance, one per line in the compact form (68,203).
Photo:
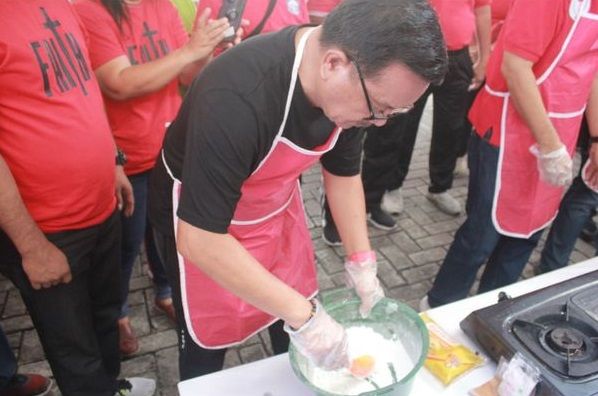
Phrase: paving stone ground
(409,258)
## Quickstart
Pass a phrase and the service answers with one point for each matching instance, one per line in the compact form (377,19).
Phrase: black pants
(77,321)
(193,359)
(388,150)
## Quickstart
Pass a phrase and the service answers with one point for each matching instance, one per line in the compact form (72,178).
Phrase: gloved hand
(360,273)
(555,167)
(321,339)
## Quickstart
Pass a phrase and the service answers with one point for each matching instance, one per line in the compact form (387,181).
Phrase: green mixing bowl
(390,318)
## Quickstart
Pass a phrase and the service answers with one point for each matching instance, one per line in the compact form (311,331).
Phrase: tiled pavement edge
(409,258)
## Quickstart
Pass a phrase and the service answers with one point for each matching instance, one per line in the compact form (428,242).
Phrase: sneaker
(445,202)
(424,305)
(127,341)
(330,234)
(27,385)
(382,220)
(461,168)
(392,201)
(136,386)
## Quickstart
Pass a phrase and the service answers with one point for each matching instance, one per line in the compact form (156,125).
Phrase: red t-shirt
(155,29)
(321,8)
(54,134)
(285,13)
(457,20)
(534,30)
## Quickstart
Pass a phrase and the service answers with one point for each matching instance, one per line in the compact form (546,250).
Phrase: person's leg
(161,286)
(278,337)
(133,231)
(477,237)
(8,361)
(507,261)
(104,279)
(574,212)
(381,149)
(193,359)
(450,107)
(63,315)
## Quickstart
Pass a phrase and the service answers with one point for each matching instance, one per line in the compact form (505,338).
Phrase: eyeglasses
(373,115)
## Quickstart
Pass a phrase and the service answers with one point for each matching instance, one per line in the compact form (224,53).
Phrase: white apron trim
(301,150)
(571,114)
(294,76)
(269,215)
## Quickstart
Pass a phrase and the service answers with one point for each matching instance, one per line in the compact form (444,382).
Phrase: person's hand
(555,166)
(206,35)
(479,74)
(124,192)
(45,265)
(590,169)
(322,340)
(238,35)
(360,270)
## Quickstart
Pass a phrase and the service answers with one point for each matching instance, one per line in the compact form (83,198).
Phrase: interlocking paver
(409,258)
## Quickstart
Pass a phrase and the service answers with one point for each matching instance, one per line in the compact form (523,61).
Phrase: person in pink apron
(541,77)
(226,192)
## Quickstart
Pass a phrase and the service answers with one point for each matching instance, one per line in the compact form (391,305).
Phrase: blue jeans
(136,229)
(575,210)
(8,361)
(477,240)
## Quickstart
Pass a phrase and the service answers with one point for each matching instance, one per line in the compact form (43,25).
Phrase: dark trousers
(390,151)
(578,206)
(76,322)
(193,359)
(135,230)
(477,240)
(8,361)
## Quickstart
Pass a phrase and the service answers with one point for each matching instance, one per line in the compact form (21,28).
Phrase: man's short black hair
(378,33)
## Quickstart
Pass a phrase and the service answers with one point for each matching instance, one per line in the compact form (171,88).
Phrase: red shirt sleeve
(102,31)
(530,28)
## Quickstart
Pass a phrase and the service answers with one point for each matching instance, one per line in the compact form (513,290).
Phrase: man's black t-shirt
(226,126)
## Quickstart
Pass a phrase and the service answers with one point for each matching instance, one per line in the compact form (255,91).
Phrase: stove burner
(566,341)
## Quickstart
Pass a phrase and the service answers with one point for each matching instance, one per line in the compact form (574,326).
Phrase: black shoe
(381,219)
(330,234)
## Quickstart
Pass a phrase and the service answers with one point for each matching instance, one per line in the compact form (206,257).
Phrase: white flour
(364,340)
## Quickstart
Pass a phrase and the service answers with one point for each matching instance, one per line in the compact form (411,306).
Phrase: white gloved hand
(361,269)
(555,167)
(322,340)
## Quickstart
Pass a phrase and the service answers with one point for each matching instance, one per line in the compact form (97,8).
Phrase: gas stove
(555,329)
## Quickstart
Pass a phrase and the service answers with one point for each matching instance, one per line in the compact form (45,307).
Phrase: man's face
(345,94)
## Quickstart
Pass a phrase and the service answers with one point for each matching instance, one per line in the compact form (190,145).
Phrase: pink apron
(269,221)
(524,204)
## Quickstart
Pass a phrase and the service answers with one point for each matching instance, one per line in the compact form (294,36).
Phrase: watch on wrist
(593,139)
(121,158)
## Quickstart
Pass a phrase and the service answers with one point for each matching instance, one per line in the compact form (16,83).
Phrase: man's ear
(334,61)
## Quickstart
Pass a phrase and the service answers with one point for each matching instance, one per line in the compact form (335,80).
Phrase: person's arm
(226,261)
(347,205)
(483,22)
(121,80)
(44,264)
(592,119)
(526,98)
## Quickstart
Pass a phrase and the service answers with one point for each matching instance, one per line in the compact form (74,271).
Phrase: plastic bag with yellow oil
(448,360)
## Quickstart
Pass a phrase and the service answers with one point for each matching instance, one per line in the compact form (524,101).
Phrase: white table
(274,377)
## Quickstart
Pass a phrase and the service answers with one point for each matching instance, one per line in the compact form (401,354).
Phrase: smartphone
(233,11)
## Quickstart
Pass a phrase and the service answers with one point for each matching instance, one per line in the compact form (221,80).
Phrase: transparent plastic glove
(555,167)
(322,340)
(360,270)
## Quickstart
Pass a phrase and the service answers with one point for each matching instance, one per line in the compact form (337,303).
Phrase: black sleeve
(221,152)
(345,158)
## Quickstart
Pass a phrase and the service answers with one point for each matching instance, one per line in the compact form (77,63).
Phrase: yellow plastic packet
(448,360)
